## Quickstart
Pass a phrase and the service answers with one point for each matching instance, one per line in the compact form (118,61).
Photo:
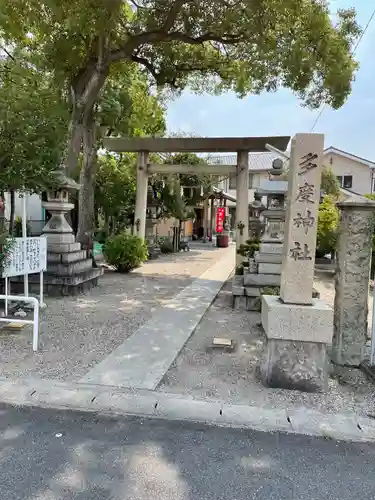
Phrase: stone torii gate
(240,145)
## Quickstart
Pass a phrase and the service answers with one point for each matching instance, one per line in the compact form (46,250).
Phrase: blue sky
(351,128)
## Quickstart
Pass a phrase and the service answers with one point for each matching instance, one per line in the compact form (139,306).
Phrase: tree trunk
(2,212)
(87,182)
(85,91)
(12,211)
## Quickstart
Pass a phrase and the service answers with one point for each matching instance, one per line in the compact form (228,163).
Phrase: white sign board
(27,256)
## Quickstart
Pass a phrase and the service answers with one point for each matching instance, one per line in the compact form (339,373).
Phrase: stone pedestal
(242,206)
(297,365)
(352,280)
(298,327)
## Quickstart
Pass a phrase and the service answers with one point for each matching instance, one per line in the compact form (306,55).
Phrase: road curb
(54,394)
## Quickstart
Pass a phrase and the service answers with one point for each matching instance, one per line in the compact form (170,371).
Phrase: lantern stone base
(60,286)
(297,339)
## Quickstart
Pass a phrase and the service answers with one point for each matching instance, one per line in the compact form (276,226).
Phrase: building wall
(361,174)
(165,227)
(34,210)
(255,181)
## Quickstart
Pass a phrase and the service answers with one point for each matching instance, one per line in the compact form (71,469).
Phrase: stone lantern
(57,229)
(69,269)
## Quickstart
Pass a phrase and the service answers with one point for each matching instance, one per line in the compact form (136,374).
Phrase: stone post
(242,205)
(212,217)
(298,327)
(352,280)
(205,219)
(141,195)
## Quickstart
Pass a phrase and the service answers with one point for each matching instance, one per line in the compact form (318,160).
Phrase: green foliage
(166,246)
(167,190)
(328,219)
(6,245)
(249,248)
(125,252)
(115,187)
(372,197)
(239,270)
(33,124)
(212,45)
(17,230)
(329,183)
(127,107)
(270,290)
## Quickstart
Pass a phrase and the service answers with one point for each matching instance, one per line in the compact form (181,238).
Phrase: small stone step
(271,248)
(269,258)
(268,268)
(261,280)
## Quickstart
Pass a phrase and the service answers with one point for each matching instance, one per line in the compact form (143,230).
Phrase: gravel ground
(205,373)
(78,332)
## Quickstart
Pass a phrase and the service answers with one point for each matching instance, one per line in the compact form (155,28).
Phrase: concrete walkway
(143,359)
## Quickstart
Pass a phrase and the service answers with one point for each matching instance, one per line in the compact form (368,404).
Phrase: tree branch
(172,15)
(8,53)
(125,52)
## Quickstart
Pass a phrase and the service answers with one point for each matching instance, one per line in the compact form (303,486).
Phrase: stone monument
(352,281)
(299,327)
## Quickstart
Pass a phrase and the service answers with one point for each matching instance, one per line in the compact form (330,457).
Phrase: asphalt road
(45,455)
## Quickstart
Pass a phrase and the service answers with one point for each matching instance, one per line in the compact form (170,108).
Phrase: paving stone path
(78,332)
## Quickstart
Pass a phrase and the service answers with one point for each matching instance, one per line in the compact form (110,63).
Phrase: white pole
(24,236)
(36,326)
(372,360)
(41,290)
(6,296)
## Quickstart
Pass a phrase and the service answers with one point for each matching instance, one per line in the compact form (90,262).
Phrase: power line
(353,52)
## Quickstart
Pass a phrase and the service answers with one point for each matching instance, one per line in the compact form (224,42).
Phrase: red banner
(220,215)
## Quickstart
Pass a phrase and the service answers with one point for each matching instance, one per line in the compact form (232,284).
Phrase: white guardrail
(34,321)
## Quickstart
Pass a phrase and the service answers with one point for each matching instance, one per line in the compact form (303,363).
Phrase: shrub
(17,229)
(125,252)
(166,246)
(328,219)
(239,270)
(249,248)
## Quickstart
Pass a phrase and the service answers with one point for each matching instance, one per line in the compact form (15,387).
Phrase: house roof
(262,162)
(350,156)
(259,162)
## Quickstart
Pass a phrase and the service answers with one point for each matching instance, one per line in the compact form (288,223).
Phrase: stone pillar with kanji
(299,327)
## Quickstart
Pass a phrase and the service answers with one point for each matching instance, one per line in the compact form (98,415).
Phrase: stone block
(63,247)
(66,257)
(271,258)
(252,291)
(276,248)
(301,366)
(268,268)
(261,279)
(273,187)
(59,238)
(57,286)
(297,322)
(70,269)
(238,290)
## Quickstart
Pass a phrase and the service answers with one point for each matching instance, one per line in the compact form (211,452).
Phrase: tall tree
(126,107)
(33,121)
(215,45)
